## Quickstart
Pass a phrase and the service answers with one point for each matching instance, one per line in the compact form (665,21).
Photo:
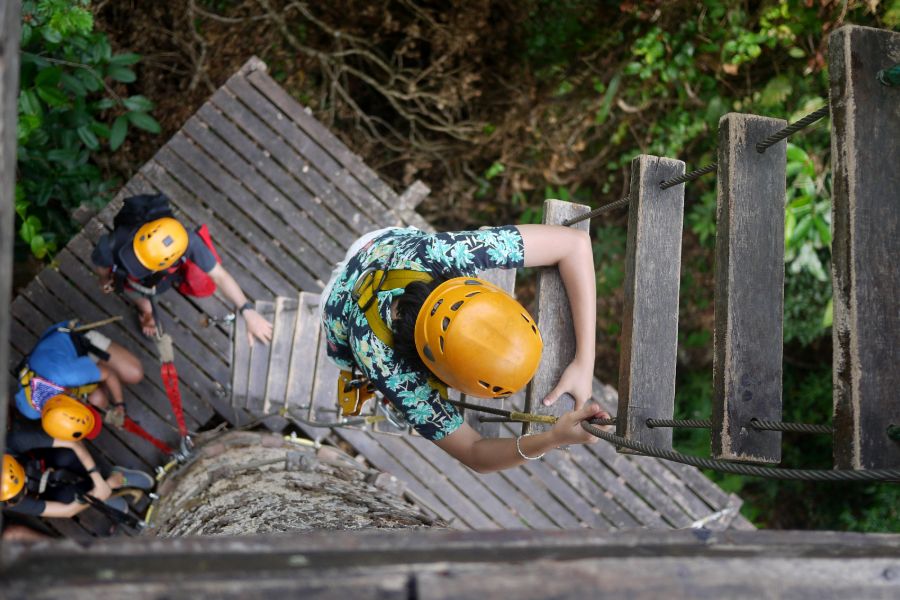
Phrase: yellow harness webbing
(365,293)
(80,392)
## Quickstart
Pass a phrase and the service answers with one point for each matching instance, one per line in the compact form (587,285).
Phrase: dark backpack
(138,210)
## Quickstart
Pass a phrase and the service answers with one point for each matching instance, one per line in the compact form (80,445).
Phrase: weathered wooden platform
(283,199)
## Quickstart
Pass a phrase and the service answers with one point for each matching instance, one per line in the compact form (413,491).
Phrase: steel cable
(743,469)
(791,129)
(664,185)
(597,211)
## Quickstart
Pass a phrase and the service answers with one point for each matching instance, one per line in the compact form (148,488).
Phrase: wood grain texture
(749,293)
(650,317)
(554,319)
(259,363)
(9,93)
(283,328)
(302,366)
(866,244)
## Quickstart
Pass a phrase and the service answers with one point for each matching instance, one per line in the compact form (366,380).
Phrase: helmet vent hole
(470,294)
(76,435)
(504,394)
(456,305)
(427,352)
(527,320)
(472,282)
(534,329)
(436,306)
(445,324)
(485,385)
(496,389)
(441,340)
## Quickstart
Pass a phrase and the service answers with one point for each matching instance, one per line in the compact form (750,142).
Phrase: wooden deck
(283,199)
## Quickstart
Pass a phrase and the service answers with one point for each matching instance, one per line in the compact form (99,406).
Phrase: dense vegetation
(496,104)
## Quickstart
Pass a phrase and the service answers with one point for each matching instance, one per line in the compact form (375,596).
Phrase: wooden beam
(9,92)
(650,319)
(866,222)
(749,290)
(554,318)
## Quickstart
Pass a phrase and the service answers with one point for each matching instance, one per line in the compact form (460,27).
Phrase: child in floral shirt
(396,370)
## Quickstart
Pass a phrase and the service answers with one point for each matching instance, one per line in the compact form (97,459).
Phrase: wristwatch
(93,469)
(245,306)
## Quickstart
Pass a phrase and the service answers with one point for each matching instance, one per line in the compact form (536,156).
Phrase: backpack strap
(365,294)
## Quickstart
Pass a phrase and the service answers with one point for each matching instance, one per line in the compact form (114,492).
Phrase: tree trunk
(247,483)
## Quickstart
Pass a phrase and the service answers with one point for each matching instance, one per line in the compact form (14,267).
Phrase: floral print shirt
(351,341)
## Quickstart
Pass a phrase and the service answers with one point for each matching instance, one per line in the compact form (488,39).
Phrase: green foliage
(791,504)
(609,258)
(66,104)
(806,300)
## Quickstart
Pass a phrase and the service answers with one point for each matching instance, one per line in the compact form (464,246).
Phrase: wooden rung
(259,364)
(650,319)
(749,290)
(866,222)
(283,329)
(302,367)
(324,404)
(555,322)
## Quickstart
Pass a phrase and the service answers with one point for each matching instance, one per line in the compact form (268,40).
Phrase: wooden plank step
(240,366)
(302,117)
(303,364)
(288,170)
(650,316)
(749,290)
(554,318)
(283,328)
(866,281)
(259,365)
(260,225)
(212,133)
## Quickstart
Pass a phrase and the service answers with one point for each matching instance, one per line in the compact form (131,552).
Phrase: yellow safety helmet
(65,418)
(477,339)
(12,480)
(158,244)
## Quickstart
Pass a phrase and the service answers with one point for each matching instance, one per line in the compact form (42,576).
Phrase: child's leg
(124,364)
(145,313)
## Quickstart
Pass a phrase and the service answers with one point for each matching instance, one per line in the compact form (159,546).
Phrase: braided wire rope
(761,425)
(664,185)
(742,469)
(791,129)
(756,424)
(597,211)
(687,423)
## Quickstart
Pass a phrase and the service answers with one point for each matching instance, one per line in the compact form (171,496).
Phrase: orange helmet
(12,480)
(476,338)
(65,418)
(160,243)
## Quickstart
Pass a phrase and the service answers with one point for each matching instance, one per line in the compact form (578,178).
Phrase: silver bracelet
(522,454)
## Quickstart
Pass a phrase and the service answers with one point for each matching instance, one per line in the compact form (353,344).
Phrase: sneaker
(118,503)
(135,478)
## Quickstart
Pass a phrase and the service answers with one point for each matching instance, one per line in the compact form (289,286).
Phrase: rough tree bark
(246,483)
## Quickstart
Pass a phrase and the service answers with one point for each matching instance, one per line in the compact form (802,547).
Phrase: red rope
(170,380)
(132,426)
